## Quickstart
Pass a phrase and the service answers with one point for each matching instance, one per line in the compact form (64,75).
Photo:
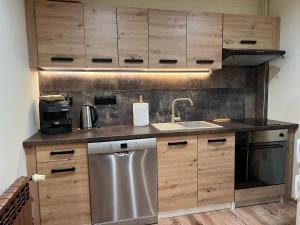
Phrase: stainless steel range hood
(249,57)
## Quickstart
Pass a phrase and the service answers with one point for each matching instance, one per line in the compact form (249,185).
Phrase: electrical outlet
(70,100)
(105,100)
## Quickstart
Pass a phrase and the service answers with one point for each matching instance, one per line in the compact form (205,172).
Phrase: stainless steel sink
(185,125)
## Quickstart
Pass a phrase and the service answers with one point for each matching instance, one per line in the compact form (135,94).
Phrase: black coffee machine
(55,117)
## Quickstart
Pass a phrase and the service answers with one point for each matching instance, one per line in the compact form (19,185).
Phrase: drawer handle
(101,60)
(177,143)
(133,60)
(72,169)
(69,152)
(168,61)
(205,61)
(222,140)
(248,42)
(62,59)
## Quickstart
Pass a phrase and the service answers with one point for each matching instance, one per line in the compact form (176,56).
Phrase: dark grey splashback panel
(229,92)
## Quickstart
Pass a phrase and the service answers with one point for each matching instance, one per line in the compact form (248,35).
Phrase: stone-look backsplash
(230,92)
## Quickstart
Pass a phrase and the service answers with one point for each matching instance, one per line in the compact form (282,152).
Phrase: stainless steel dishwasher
(123,182)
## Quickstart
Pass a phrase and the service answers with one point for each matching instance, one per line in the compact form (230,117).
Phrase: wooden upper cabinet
(204,40)
(216,168)
(177,173)
(133,37)
(251,32)
(167,39)
(60,34)
(101,36)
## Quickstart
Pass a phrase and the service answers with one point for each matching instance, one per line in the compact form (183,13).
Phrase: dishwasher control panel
(119,146)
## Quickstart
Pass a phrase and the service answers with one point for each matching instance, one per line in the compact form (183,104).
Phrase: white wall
(18,88)
(284,87)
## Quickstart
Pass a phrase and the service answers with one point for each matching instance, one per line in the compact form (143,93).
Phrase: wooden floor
(266,214)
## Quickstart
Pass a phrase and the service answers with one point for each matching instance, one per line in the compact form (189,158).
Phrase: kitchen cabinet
(251,32)
(63,198)
(60,34)
(204,40)
(216,168)
(167,39)
(177,172)
(133,37)
(101,42)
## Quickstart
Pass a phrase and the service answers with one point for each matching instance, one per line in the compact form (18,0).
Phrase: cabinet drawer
(64,195)
(61,152)
(177,173)
(215,168)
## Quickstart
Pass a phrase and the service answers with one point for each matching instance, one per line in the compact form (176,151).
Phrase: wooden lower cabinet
(177,172)
(216,168)
(63,198)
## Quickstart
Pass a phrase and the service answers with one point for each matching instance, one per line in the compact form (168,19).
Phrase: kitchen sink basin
(184,125)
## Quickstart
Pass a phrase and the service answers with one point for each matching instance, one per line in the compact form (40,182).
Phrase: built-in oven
(260,158)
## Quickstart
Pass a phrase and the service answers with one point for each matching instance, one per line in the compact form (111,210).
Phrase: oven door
(260,164)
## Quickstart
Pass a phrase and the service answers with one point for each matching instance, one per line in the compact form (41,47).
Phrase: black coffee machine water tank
(55,117)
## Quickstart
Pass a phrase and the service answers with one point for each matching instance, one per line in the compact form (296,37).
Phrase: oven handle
(257,147)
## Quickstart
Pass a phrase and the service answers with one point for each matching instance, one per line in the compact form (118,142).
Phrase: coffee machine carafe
(55,117)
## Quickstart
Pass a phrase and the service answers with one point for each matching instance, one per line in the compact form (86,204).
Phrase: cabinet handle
(168,61)
(62,59)
(205,61)
(248,42)
(101,60)
(178,143)
(222,140)
(69,152)
(133,60)
(72,169)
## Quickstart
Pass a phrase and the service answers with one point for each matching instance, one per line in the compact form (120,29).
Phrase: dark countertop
(123,132)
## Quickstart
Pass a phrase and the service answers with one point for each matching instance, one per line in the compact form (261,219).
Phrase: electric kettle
(88,116)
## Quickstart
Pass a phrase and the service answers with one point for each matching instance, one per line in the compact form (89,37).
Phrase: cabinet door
(60,34)
(215,168)
(167,39)
(204,40)
(177,173)
(250,32)
(133,37)
(100,24)
(64,195)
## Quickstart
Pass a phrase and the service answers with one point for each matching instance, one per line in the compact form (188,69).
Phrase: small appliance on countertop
(54,115)
(140,113)
(88,117)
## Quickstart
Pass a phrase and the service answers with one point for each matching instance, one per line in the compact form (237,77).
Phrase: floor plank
(265,214)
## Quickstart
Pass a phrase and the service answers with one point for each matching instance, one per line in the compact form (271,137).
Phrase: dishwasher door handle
(125,153)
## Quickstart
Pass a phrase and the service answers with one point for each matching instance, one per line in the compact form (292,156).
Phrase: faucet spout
(175,118)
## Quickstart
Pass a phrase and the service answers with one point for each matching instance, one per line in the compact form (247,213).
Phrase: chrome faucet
(177,118)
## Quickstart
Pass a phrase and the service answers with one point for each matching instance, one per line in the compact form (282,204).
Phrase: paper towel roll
(140,114)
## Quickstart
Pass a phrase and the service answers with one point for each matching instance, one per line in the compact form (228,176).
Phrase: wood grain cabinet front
(251,32)
(101,36)
(167,39)
(204,40)
(133,37)
(60,34)
(216,168)
(177,173)
(64,195)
